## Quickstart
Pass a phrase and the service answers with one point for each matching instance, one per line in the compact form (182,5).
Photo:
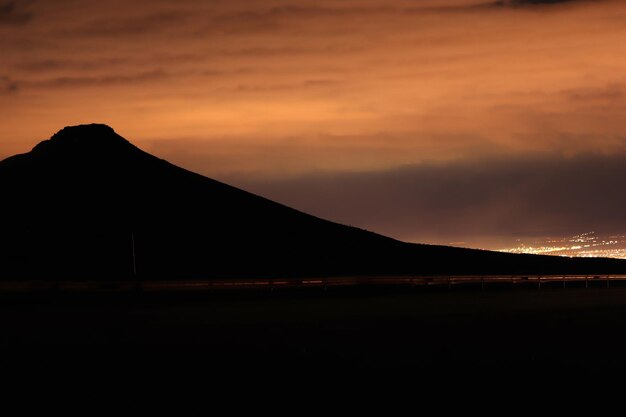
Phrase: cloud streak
(7,85)
(102,81)
(535,196)
(12,12)
(514,3)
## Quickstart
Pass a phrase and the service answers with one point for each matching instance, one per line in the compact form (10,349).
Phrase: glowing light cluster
(585,245)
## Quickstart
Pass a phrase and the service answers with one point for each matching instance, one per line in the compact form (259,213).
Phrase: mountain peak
(74,132)
(85,138)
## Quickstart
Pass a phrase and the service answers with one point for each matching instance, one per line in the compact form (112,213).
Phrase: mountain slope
(74,204)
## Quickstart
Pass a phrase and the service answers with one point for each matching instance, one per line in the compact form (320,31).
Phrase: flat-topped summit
(93,129)
(93,137)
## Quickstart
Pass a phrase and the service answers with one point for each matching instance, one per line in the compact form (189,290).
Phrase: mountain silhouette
(77,205)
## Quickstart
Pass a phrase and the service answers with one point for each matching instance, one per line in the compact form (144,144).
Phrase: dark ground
(420,334)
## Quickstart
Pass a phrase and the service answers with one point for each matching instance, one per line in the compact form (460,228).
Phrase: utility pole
(132,238)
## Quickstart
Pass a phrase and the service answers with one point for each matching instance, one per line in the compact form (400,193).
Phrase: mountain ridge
(77,200)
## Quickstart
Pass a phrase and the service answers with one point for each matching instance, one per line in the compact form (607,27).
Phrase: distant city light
(584,245)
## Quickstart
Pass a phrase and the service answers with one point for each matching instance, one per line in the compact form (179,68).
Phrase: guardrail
(448,281)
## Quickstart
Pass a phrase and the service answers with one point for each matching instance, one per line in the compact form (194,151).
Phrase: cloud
(521,3)
(105,80)
(304,85)
(531,196)
(264,52)
(282,88)
(310,12)
(11,12)
(56,64)
(611,94)
(134,25)
(7,85)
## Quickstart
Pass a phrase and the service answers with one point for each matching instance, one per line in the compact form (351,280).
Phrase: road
(487,281)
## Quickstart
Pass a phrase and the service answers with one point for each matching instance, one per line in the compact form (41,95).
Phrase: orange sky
(285,89)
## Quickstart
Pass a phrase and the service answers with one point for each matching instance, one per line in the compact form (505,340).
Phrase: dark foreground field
(419,334)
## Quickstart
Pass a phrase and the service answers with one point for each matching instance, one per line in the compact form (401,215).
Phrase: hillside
(74,204)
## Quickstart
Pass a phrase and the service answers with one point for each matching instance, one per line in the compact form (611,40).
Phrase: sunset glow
(314,102)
